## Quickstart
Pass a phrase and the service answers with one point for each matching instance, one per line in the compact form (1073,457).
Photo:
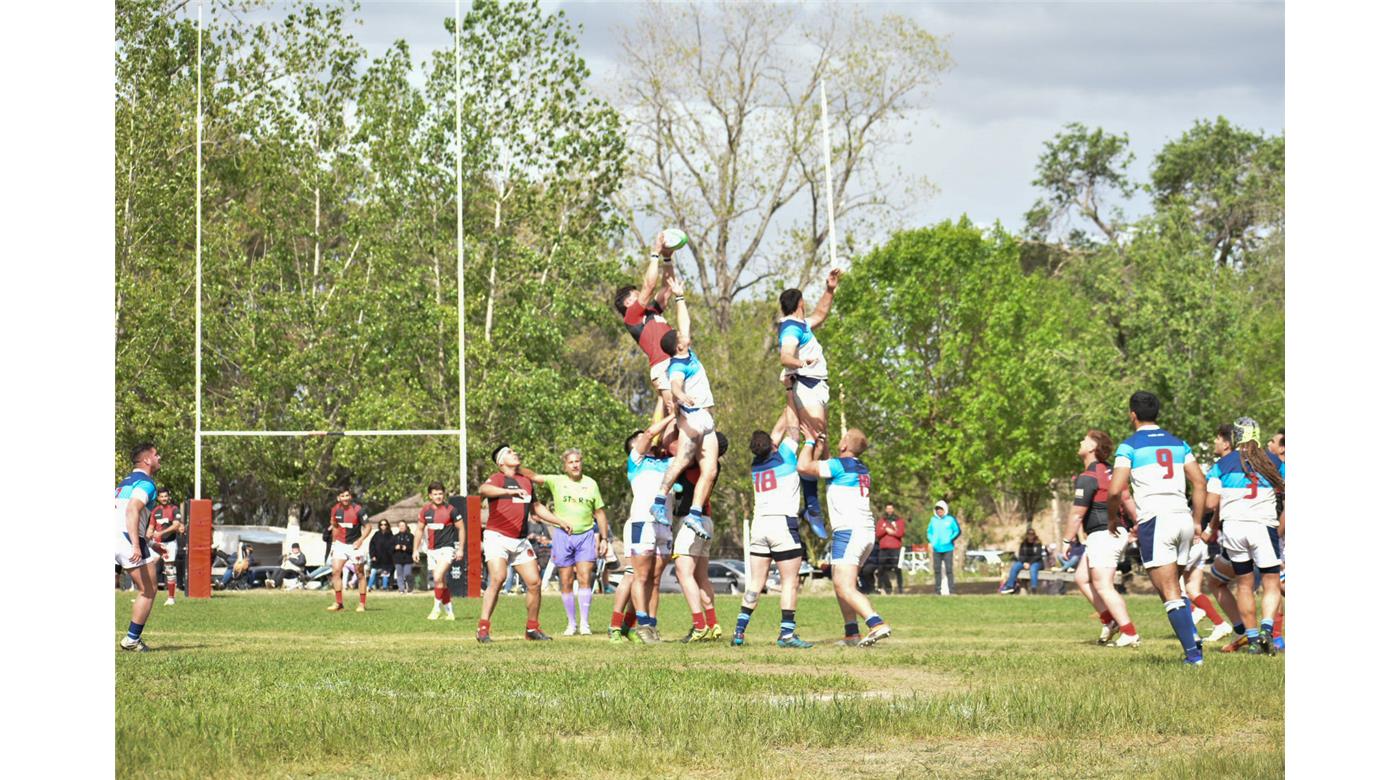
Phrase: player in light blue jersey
(136,496)
(648,543)
(1159,465)
(805,374)
(773,534)
(690,389)
(852,528)
(1245,490)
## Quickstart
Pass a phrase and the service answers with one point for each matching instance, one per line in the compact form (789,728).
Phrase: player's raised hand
(833,279)
(674,283)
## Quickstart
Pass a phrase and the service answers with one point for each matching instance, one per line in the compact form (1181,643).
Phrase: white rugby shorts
(123,548)
(1166,539)
(1104,550)
(689,543)
(172,548)
(815,397)
(659,380)
(851,546)
(1258,543)
(515,552)
(441,556)
(770,534)
(700,422)
(347,552)
(1196,558)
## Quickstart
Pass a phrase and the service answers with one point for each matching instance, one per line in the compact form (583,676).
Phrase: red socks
(1278,623)
(170,588)
(697,619)
(483,626)
(617,620)
(443,595)
(1105,617)
(340,598)
(362,599)
(710,619)
(1129,630)
(532,625)
(630,619)
(1203,601)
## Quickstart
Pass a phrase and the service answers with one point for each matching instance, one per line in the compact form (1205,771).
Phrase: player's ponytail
(1253,458)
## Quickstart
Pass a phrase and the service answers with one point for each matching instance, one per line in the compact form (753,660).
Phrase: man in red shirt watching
(511,500)
(645,320)
(889,539)
(348,542)
(165,530)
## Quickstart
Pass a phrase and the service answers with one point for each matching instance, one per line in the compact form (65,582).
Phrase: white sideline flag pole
(198,257)
(830,196)
(461,300)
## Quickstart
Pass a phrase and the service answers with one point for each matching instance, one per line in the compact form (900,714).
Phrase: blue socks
(133,631)
(643,619)
(789,625)
(1252,634)
(1180,617)
(1266,627)
(742,624)
(852,629)
(873,620)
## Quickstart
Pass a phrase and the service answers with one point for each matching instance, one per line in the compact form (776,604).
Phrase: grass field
(254,683)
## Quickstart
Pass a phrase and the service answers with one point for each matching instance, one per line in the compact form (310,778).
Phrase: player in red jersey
(643,313)
(348,543)
(511,500)
(1102,550)
(445,529)
(164,531)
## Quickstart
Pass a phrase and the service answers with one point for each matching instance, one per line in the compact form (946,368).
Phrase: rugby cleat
(850,641)
(1278,643)
(1239,644)
(694,635)
(793,640)
(876,634)
(647,635)
(659,514)
(1197,661)
(813,516)
(694,524)
(615,636)
(170,602)
(448,615)
(1266,644)
(536,635)
(335,608)
(572,630)
(737,640)
(1255,646)
(359,607)
(713,634)
(584,630)
(435,614)
(134,645)
(483,637)
(633,637)
(1219,632)
(1128,640)
(1108,632)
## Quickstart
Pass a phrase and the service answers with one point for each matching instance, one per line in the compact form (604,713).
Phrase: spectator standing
(403,554)
(381,557)
(943,531)
(293,563)
(889,540)
(1032,554)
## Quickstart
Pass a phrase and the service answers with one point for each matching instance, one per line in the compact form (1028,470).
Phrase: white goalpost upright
(199,432)
(831,224)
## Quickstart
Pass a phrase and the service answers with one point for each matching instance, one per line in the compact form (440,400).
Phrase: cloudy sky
(1022,70)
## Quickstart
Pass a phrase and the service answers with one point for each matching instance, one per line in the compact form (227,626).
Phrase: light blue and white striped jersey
(777,490)
(1157,460)
(1245,496)
(697,382)
(795,331)
(139,487)
(847,494)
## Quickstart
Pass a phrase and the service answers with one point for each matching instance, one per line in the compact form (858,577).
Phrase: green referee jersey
(574,502)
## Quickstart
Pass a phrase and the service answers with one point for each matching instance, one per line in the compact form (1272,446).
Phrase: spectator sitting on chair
(1032,554)
(294,564)
(242,568)
(403,555)
(381,557)
(942,532)
(889,540)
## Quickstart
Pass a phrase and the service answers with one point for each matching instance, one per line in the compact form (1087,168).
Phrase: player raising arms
(445,529)
(645,320)
(804,373)
(852,526)
(690,389)
(135,496)
(1159,466)
(1102,549)
(511,496)
(1246,489)
(348,544)
(773,532)
(648,542)
(165,531)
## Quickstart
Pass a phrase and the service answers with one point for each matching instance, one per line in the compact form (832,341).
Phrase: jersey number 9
(1164,459)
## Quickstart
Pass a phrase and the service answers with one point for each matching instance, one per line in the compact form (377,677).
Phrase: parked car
(775,582)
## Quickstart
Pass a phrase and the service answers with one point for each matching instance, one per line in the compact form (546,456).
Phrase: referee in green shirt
(579,504)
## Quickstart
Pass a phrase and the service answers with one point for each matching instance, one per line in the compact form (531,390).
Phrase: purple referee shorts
(570,549)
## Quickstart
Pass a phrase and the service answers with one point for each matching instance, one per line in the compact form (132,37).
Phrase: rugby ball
(674,238)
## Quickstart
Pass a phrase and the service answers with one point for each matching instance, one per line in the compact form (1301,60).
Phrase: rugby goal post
(200,509)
